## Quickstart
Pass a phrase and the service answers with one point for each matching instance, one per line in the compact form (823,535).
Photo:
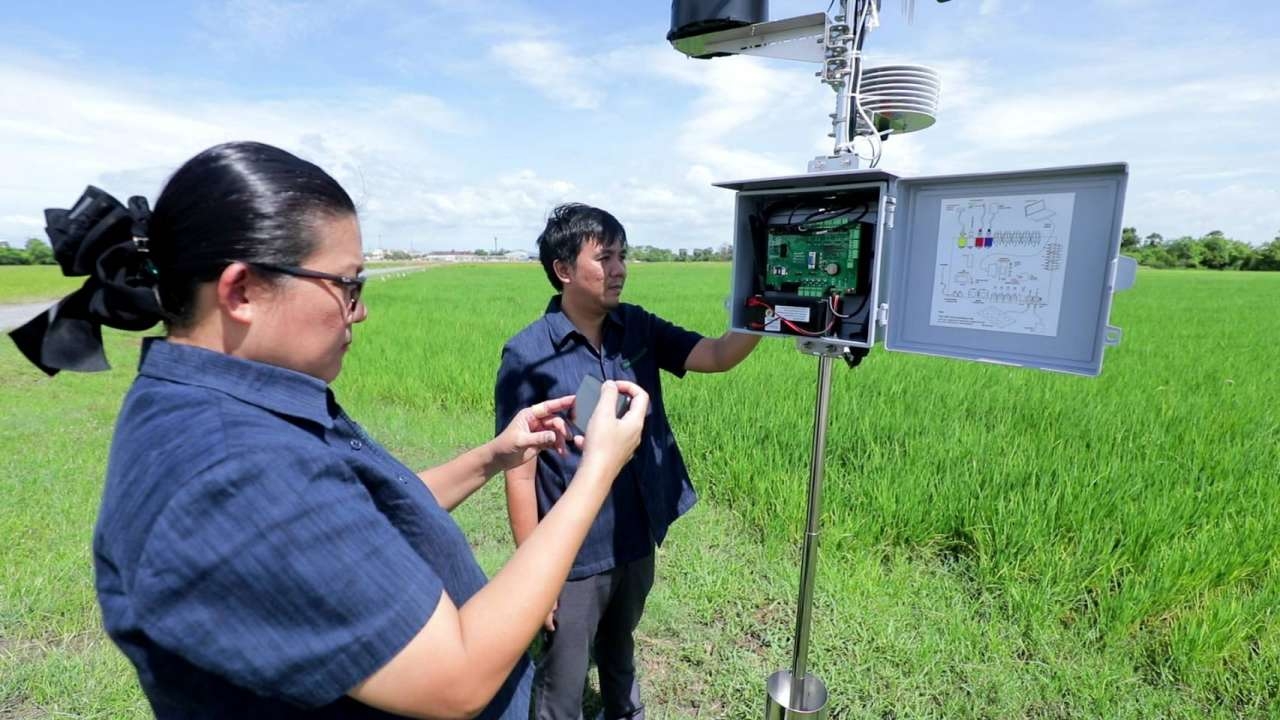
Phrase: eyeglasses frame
(352,286)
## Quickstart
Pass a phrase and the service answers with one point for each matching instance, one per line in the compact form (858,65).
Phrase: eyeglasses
(351,286)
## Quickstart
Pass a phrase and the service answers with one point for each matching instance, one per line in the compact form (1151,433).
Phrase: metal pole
(843,119)
(842,69)
(809,563)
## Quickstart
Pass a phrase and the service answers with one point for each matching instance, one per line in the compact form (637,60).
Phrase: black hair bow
(100,238)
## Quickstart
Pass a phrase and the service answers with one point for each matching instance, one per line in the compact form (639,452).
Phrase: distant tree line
(1214,251)
(37,252)
(648,253)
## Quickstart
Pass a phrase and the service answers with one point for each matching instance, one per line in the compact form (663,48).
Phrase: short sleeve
(282,576)
(672,343)
(513,391)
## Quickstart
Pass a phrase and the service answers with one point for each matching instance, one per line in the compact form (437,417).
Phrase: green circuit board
(816,259)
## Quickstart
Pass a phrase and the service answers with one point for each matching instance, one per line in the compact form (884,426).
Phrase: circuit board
(815,259)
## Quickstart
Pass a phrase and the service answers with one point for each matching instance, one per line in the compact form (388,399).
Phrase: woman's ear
(234,293)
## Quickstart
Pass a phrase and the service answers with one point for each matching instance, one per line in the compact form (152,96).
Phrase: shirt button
(356,444)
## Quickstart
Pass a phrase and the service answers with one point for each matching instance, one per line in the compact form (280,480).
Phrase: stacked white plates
(903,98)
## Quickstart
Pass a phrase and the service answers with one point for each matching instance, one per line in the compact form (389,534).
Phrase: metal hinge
(890,208)
(882,314)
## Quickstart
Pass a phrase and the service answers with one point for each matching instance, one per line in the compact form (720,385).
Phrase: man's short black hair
(569,226)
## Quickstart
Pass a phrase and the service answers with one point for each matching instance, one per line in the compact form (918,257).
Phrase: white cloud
(233,26)
(1241,211)
(1197,135)
(746,118)
(743,99)
(552,70)
(128,140)
(511,208)
(23,220)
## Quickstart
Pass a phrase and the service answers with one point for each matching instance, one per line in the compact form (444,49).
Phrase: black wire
(861,305)
(773,208)
(866,207)
(831,215)
(856,69)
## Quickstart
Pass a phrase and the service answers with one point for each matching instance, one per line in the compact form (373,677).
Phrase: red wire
(836,312)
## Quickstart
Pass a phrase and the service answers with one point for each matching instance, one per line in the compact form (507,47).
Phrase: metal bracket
(797,38)
(833,163)
(818,347)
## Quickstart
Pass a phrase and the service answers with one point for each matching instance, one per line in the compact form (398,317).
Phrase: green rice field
(996,542)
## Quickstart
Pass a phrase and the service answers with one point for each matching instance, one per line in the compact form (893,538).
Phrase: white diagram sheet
(1001,262)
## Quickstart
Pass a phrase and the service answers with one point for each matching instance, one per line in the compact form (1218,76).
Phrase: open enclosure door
(1014,268)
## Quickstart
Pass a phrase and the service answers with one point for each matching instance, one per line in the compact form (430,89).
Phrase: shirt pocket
(637,363)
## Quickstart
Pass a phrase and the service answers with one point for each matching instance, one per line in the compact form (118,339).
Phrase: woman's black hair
(236,202)
(569,226)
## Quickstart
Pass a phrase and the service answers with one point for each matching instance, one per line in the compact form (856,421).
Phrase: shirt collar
(280,390)
(560,327)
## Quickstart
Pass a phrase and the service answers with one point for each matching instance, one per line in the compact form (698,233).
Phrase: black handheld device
(588,396)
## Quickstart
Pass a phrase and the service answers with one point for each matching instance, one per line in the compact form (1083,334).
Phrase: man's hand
(531,431)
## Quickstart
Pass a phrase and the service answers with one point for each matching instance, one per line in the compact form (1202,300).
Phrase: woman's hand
(611,440)
(531,431)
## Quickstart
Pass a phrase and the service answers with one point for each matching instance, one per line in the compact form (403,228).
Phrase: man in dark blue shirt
(587,330)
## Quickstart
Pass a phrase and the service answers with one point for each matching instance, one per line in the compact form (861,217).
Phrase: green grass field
(997,542)
(30,283)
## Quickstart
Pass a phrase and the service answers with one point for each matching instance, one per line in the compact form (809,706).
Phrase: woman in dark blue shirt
(257,554)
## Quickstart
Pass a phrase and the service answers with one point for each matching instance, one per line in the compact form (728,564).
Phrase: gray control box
(1014,268)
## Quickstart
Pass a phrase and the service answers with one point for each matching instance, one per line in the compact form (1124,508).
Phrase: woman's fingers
(639,399)
(547,408)
(561,430)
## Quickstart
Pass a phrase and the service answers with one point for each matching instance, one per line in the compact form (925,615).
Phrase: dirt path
(11,316)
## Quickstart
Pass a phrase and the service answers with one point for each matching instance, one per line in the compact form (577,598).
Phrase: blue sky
(455,122)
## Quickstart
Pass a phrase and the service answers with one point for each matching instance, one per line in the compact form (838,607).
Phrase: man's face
(597,276)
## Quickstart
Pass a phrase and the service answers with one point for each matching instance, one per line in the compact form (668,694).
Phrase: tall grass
(996,542)
(1138,512)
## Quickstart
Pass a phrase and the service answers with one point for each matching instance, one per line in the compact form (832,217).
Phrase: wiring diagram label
(1001,262)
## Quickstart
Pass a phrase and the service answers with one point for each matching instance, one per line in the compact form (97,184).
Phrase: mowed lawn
(997,542)
(31,283)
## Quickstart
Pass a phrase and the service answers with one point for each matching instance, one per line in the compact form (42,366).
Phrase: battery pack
(788,314)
